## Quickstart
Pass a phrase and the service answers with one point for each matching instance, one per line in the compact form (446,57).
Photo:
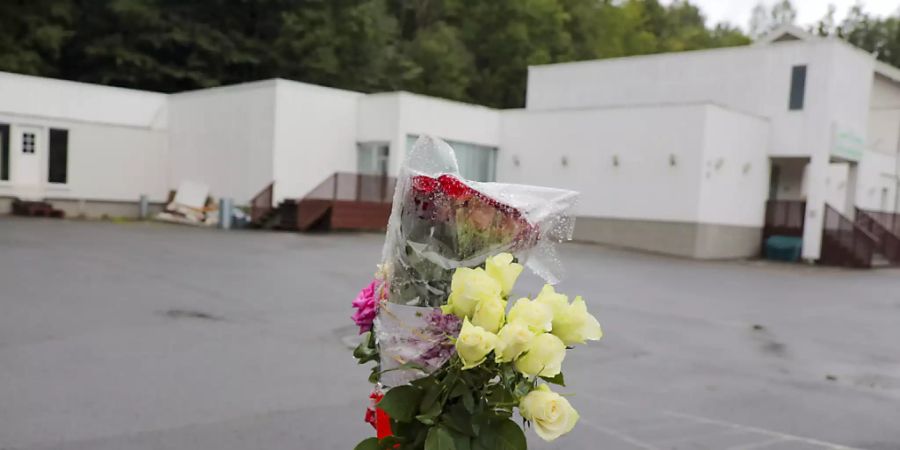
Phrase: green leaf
(468,401)
(366,350)
(389,443)
(439,438)
(458,390)
(401,403)
(558,379)
(502,435)
(459,420)
(367,444)
(430,399)
(375,376)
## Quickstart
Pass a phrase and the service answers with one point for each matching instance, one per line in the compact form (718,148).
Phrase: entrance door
(27,149)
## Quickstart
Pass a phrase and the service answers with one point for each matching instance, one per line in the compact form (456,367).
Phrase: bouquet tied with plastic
(451,363)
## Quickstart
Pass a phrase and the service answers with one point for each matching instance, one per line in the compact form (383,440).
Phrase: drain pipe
(225,207)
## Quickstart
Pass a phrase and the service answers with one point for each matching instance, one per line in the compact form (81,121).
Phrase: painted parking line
(767,437)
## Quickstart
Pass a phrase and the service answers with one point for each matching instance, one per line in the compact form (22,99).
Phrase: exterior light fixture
(673,160)
(565,161)
(746,168)
(516,161)
(615,160)
(719,163)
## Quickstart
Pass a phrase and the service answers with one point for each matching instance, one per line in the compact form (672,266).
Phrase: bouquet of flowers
(451,364)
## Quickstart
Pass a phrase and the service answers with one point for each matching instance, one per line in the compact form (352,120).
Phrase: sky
(737,12)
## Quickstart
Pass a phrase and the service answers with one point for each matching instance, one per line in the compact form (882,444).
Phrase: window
(28,143)
(798,87)
(59,156)
(4,152)
(476,162)
(372,158)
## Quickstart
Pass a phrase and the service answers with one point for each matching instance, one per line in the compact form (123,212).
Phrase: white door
(27,154)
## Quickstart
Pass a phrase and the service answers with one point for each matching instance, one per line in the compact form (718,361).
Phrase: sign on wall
(848,145)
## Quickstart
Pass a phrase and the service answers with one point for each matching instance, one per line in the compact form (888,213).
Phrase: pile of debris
(191,205)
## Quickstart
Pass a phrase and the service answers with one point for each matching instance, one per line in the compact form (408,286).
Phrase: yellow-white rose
(574,325)
(543,356)
(502,269)
(512,341)
(551,414)
(467,288)
(490,314)
(548,296)
(536,316)
(474,344)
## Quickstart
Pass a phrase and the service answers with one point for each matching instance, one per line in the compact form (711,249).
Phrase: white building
(675,153)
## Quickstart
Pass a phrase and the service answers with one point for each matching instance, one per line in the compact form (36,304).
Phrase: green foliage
(455,409)
(470,50)
(878,35)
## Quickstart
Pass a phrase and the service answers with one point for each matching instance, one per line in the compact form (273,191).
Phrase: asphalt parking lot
(150,336)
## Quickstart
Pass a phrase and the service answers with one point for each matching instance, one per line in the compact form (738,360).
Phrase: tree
(33,34)
(763,21)
(472,50)
(880,36)
(343,43)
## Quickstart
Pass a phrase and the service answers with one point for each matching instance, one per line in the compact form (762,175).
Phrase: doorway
(27,151)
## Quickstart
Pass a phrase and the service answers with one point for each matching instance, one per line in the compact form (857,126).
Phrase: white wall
(875,175)
(643,186)
(884,116)
(735,169)
(36,97)
(314,136)
(836,187)
(223,137)
(105,162)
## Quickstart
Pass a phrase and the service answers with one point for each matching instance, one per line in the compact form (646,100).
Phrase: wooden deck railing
(356,187)
(261,204)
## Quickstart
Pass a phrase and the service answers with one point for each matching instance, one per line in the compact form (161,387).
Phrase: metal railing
(877,224)
(261,204)
(844,243)
(890,221)
(356,187)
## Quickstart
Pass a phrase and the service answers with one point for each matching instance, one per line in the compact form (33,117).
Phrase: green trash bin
(784,248)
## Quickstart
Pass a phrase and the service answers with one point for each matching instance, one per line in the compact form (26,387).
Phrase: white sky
(737,12)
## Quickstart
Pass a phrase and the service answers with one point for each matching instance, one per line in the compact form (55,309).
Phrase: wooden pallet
(36,209)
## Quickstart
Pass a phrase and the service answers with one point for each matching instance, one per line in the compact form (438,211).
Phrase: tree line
(469,50)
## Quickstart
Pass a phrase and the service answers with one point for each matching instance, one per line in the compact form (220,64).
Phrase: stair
(845,243)
(881,226)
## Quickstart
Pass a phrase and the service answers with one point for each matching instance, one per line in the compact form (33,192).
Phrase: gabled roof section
(785,33)
(888,71)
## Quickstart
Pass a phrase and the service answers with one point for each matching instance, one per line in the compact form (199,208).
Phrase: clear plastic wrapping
(440,222)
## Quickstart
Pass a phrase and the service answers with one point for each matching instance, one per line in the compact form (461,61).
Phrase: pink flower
(366,307)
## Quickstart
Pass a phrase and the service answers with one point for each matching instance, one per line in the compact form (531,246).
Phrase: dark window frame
(797,94)
(58,156)
(4,152)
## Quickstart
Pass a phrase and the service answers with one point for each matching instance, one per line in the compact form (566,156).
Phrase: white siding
(314,136)
(643,186)
(735,169)
(105,162)
(36,97)
(223,137)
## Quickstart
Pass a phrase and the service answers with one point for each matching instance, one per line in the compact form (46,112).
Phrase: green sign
(848,145)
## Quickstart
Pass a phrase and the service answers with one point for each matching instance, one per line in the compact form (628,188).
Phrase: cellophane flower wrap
(452,363)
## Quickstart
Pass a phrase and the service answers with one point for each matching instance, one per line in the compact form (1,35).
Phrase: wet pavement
(151,336)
